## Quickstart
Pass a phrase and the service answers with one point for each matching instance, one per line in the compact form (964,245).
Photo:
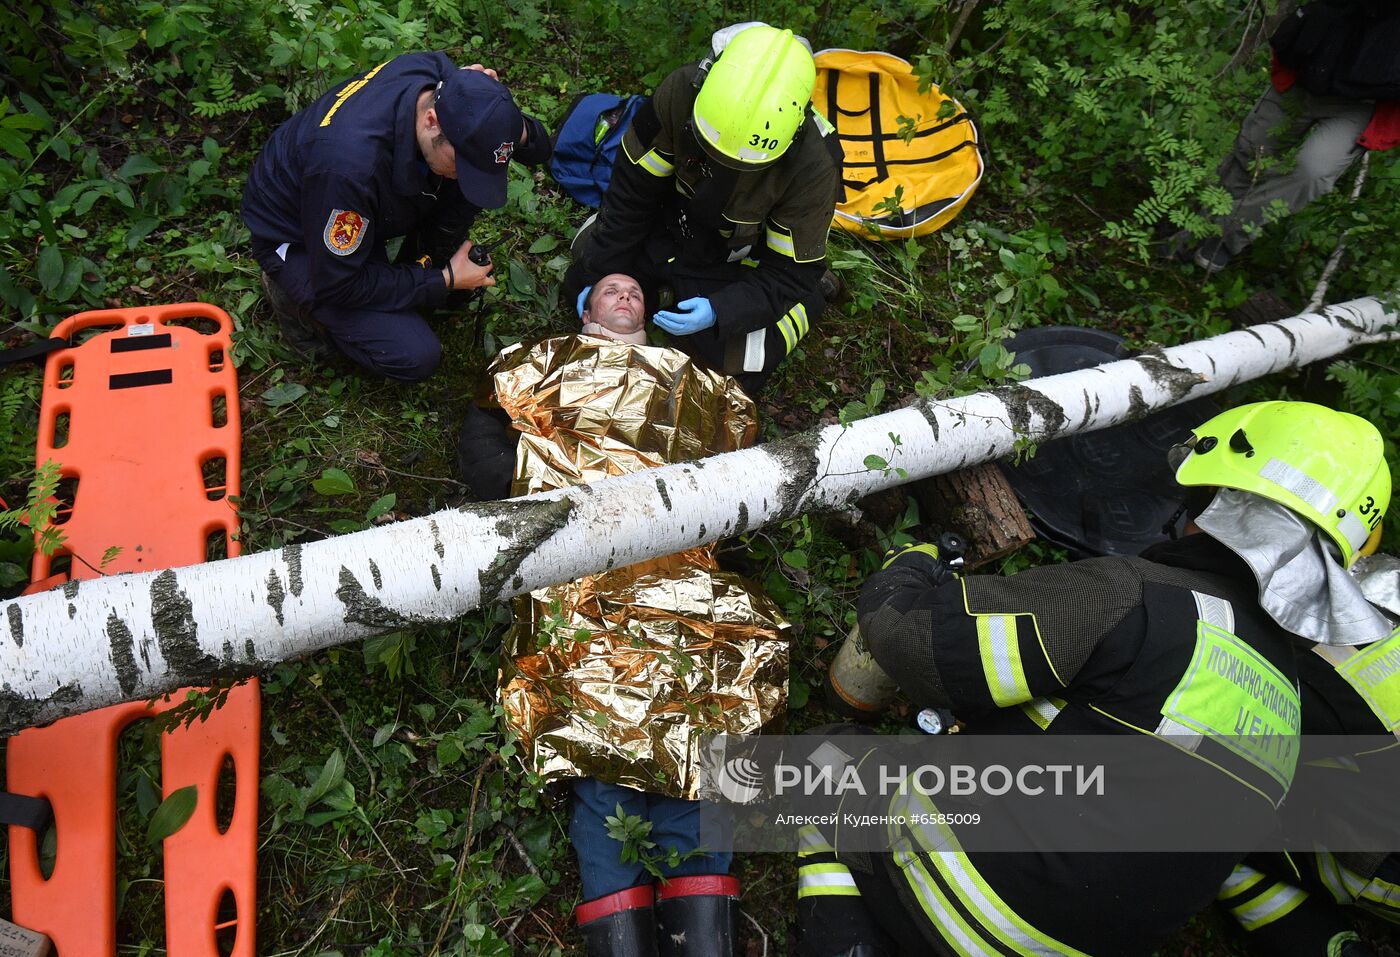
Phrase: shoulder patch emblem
(344,231)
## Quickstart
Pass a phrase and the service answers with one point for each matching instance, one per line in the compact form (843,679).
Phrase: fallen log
(131,637)
(979,504)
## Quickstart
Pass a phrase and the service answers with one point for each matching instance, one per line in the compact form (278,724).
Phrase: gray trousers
(1325,126)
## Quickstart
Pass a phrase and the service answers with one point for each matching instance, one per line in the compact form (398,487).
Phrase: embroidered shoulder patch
(344,231)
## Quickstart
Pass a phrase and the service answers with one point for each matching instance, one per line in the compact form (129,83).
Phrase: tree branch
(1320,290)
(963,15)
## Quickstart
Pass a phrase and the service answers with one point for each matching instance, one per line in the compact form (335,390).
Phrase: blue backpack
(587,142)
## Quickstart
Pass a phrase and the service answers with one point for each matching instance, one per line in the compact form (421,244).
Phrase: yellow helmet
(754,98)
(1327,466)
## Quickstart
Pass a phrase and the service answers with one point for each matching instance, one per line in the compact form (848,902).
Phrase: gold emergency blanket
(624,676)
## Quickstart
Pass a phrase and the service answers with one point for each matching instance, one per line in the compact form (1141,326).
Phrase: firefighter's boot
(620,925)
(698,916)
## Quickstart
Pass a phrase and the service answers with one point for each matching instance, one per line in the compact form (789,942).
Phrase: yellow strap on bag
(864,95)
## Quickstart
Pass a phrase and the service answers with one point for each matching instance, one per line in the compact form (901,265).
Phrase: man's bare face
(616,304)
(437,152)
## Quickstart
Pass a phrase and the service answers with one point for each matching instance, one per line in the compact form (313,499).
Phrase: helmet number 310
(1369,509)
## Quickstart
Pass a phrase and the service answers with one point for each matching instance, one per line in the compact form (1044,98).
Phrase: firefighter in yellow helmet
(1332,475)
(1283,496)
(720,202)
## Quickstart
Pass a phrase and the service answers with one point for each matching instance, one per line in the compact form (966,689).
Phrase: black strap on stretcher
(35,351)
(31,812)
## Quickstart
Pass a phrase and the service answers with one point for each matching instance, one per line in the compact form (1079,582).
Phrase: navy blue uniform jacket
(345,174)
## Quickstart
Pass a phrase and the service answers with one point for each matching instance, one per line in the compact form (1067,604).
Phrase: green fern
(13,397)
(39,510)
(19,404)
(226,99)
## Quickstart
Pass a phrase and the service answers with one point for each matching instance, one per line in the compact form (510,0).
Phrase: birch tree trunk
(130,637)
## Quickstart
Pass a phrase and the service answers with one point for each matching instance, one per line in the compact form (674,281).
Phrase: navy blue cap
(483,124)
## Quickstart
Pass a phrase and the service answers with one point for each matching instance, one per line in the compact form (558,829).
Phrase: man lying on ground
(618,681)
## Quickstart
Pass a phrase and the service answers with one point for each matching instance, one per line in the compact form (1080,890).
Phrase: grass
(428,841)
(394,820)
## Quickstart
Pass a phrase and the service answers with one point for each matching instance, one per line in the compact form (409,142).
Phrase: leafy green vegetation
(395,818)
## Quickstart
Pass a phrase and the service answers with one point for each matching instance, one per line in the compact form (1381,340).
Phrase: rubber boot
(698,916)
(486,451)
(833,288)
(302,334)
(619,925)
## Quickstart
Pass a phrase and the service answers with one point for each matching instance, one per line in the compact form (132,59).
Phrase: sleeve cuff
(538,148)
(434,284)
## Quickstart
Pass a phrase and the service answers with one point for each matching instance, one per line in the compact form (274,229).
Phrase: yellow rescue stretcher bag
(864,95)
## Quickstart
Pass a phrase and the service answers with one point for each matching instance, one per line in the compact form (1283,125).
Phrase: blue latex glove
(582,298)
(691,316)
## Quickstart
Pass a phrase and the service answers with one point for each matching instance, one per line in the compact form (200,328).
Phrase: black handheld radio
(480,253)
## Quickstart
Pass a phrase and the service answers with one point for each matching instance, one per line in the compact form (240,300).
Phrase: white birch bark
(129,637)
